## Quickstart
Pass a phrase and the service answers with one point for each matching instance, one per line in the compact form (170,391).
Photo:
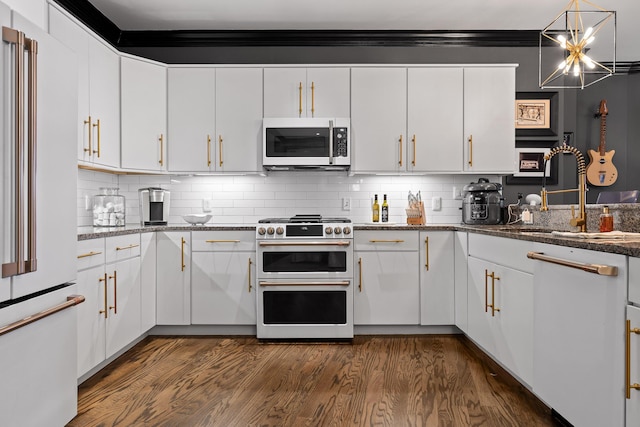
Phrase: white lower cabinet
(633,376)
(223,278)
(387,281)
(500,301)
(148,280)
(109,278)
(461,253)
(436,278)
(173,299)
(579,333)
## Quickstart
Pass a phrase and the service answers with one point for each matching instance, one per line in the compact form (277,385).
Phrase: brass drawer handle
(386,241)
(122,248)
(92,253)
(222,241)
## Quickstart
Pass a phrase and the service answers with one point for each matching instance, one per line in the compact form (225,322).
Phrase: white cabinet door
(98,84)
(633,401)
(379,119)
(388,290)
(147,281)
(238,117)
(123,298)
(437,288)
(173,278)
(460,255)
(223,288)
(489,114)
(480,321)
(578,333)
(327,92)
(104,103)
(434,121)
(284,92)
(191,115)
(143,114)
(92,319)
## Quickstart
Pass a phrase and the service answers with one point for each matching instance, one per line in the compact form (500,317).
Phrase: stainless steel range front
(305,278)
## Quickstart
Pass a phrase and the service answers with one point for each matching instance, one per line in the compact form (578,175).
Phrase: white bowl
(197,218)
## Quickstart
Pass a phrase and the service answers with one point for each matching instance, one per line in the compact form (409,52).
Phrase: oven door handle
(305,283)
(332,243)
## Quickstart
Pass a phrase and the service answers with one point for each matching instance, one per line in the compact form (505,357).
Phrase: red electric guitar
(601,171)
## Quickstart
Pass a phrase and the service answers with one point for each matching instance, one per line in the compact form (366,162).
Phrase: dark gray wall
(576,107)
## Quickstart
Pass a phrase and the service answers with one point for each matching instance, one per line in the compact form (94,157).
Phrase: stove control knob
(279,231)
(270,231)
(261,231)
(347,230)
(337,230)
(328,230)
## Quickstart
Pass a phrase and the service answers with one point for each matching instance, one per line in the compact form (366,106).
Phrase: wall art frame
(530,164)
(536,113)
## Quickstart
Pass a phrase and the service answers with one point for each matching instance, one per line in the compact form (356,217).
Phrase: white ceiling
(360,15)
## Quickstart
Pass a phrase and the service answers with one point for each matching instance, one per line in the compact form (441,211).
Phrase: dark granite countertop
(533,234)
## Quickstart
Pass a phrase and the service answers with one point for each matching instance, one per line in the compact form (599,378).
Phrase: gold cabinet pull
(161,141)
(400,144)
(122,248)
(313,99)
(97,125)
(603,270)
(92,253)
(115,292)
(386,241)
(360,281)
(486,292)
(222,241)
(90,132)
(300,102)
(250,263)
(426,250)
(208,150)
(182,253)
(105,311)
(470,150)
(629,386)
(413,140)
(220,149)
(493,294)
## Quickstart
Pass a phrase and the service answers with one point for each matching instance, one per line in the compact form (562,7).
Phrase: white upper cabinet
(489,117)
(143,114)
(434,119)
(215,119)
(378,119)
(98,121)
(191,115)
(306,92)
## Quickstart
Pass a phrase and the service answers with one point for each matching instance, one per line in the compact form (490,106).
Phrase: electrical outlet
(457,194)
(436,203)
(346,203)
(207,205)
(87,203)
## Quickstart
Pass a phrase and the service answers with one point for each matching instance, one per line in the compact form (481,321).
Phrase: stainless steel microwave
(311,143)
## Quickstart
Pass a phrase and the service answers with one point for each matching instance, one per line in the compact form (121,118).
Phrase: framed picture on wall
(531,167)
(536,113)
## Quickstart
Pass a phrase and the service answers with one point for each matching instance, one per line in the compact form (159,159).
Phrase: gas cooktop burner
(307,219)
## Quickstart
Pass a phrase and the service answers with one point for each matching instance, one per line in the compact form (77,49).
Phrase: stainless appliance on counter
(482,203)
(305,278)
(154,206)
(306,143)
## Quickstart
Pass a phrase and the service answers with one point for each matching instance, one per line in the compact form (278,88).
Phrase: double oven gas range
(305,278)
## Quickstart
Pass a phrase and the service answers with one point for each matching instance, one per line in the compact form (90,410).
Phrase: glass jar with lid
(108,208)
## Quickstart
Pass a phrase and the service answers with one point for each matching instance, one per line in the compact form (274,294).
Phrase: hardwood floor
(239,381)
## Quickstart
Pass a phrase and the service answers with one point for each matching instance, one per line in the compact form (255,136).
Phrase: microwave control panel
(340,142)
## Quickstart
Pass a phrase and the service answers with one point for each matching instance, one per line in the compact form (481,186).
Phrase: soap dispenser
(606,220)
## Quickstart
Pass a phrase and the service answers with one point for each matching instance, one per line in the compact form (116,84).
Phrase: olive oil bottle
(376,209)
(385,210)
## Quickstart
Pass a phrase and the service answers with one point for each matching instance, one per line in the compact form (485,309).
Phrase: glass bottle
(108,208)
(385,210)
(376,209)
(606,220)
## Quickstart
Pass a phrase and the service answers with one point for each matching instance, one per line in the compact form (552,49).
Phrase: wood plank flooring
(239,381)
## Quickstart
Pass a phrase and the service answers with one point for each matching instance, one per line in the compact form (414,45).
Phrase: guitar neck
(603,133)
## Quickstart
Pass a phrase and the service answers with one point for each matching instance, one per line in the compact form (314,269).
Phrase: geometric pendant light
(578,48)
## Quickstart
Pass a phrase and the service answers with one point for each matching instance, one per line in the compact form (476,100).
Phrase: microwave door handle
(330,142)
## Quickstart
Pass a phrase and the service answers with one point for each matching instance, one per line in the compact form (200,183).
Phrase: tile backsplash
(246,199)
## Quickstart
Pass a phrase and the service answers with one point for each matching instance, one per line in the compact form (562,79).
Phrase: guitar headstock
(603,111)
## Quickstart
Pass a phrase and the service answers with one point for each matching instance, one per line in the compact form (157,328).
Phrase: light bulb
(576,69)
(590,40)
(588,61)
(563,41)
(588,32)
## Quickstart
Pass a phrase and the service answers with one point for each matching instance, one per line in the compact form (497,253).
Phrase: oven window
(304,307)
(297,142)
(304,262)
